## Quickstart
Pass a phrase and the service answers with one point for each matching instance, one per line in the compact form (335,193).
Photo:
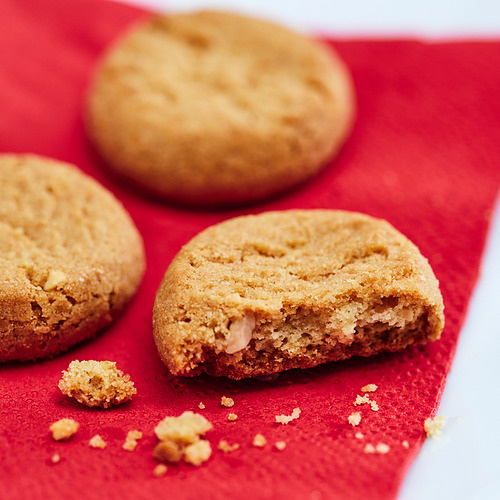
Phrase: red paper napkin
(424,154)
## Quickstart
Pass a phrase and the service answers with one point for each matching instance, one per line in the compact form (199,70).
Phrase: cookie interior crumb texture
(64,428)
(96,383)
(70,257)
(180,437)
(434,426)
(317,285)
(217,108)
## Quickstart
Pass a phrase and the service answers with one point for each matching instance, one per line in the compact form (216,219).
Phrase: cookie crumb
(280,445)
(64,428)
(160,470)
(361,400)
(180,437)
(96,383)
(433,427)
(232,417)
(97,442)
(168,451)
(259,441)
(198,452)
(369,388)
(369,448)
(286,419)
(382,448)
(227,402)
(226,447)
(405,444)
(55,458)
(354,418)
(201,406)
(131,440)
(359,435)
(374,405)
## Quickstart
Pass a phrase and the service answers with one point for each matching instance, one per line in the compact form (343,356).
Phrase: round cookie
(70,257)
(257,295)
(216,108)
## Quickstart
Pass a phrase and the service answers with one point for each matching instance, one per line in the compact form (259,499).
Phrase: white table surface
(465,464)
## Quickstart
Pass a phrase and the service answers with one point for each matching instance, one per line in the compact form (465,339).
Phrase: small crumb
(131,440)
(96,383)
(374,405)
(227,402)
(168,451)
(183,429)
(369,448)
(369,388)
(361,400)
(354,418)
(359,435)
(405,444)
(280,445)
(64,428)
(198,452)
(56,458)
(382,448)
(97,442)
(259,441)
(226,447)
(160,470)
(433,427)
(232,417)
(286,419)
(201,406)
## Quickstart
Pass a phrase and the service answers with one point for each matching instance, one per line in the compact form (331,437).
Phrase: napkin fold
(423,154)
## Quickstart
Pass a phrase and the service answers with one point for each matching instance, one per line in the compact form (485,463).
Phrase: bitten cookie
(216,108)
(257,295)
(70,257)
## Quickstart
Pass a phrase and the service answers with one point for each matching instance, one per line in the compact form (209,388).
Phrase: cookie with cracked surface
(260,294)
(70,257)
(217,108)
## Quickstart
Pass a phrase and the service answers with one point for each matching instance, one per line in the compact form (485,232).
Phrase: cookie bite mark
(293,289)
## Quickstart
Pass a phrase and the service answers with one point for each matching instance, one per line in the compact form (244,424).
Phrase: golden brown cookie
(218,108)
(70,257)
(257,295)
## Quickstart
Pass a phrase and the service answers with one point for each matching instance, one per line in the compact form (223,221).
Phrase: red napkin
(423,154)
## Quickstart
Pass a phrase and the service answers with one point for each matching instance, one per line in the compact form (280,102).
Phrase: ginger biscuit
(217,108)
(260,294)
(70,257)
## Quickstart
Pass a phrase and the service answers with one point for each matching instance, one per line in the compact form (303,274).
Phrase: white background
(465,465)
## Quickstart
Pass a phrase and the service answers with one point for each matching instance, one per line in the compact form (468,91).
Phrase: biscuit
(216,108)
(257,295)
(70,257)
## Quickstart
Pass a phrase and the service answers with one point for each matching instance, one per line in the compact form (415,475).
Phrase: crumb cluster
(280,445)
(259,441)
(361,400)
(232,417)
(180,438)
(226,447)
(369,388)
(286,419)
(354,418)
(96,383)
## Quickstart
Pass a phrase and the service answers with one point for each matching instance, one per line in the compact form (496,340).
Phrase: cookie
(70,257)
(216,108)
(257,295)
